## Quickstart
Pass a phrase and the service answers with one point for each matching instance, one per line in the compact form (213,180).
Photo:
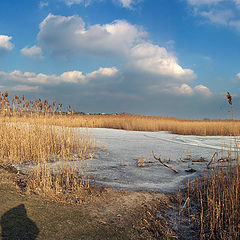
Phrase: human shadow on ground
(16,225)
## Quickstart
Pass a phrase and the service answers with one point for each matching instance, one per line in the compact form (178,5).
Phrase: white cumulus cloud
(157,60)
(203,90)
(76,77)
(32,52)
(184,89)
(238,75)
(107,72)
(5,44)
(68,36)
(145,64)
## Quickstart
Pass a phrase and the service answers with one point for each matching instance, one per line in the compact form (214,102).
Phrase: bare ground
(106,214)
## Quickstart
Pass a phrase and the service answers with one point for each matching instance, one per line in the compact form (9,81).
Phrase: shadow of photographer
(16,225)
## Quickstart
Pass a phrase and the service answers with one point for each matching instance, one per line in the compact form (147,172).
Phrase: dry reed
(215,200)
(38,111)
(216,203)
(137,123)
(28,136)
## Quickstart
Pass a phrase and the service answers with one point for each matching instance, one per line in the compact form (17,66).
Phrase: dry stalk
(164,164)
(211,159)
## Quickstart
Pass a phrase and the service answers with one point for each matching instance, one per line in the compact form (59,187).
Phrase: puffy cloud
(182,90)
(27,77)
(146,65)
(5,44)
(32,52)
(107,72)
(157,60)
(203,90)
(67,36)
(73,76)
(238,75)
(76,77)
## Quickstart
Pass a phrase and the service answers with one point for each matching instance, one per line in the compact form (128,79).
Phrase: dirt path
(109,215)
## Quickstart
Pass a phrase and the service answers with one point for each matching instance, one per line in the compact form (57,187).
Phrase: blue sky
(153,57)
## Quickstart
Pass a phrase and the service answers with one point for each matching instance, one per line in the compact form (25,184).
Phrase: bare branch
(164,164)
(211,159)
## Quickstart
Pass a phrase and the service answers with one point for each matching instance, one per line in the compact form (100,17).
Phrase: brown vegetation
(137,123)
(31,132)
(214,202)
(213,205)
(38,111)
(26,136)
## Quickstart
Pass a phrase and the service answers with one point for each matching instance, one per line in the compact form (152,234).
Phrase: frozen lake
(116,166)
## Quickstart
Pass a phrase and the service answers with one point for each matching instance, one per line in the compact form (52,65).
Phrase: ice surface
(116,166)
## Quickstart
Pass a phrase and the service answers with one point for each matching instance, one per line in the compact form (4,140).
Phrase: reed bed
(38,111)
(138,123)
(29,135)
(213,204)
(21,143)
(65,181)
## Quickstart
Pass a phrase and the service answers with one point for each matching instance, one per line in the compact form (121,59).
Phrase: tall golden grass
(38,111)
(21,143)
(28,134)
(213,203)
(137,123)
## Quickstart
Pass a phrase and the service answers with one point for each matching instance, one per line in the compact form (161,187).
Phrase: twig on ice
(164,164)
(211,159)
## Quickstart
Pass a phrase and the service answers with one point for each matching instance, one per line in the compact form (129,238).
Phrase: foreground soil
(108,215)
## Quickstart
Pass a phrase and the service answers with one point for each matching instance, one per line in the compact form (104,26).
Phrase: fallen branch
(190,170)
(201,159)
(211,159)
(226,159)
(164,164)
